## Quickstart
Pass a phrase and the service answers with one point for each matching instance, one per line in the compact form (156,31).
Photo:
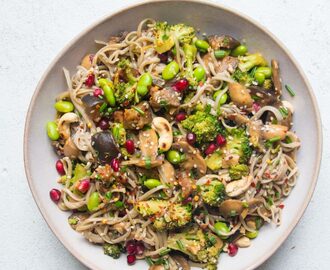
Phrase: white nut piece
(243,242)
(164,130)
(236,188)
(272,131)
(240,95)
(64,124)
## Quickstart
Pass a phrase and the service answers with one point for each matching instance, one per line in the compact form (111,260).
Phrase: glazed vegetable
(213,192)
(112,250)
(238,143)
(238,171)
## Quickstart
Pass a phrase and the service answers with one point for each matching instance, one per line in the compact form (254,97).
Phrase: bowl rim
(228,9)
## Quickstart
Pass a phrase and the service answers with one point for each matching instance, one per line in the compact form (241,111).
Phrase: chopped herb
(256,98)
(284,111)
(149,261)
(270,201)
(164,252)
(290,90)
(192,237)
(258,222)
(176,133)
(163,103)
(180,245)
(103,107)
(277,194)
(148,162)
(123,169)
(208,108)
(108,195)
(119,204)
(138,110)
(253,71)
(275,139)
(288,139)
(245,204)
(212,240)
(165,37)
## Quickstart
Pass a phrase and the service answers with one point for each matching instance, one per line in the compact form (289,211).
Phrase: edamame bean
(223,98)
(93,201)
(52,131)
(64,106)
(152,183)
(252,235)
(260,77)
(170,71)
(173,156)
(143,83)
(202,45)
(267,71)
(239,50)
(219,54)
(108,91)
(220,229)
(199,73)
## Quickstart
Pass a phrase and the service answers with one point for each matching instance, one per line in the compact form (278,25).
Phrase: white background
(31,35)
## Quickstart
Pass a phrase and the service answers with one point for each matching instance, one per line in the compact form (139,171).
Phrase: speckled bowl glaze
(210,18)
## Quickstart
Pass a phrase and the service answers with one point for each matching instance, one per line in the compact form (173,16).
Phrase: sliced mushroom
(164,130)
(276,77)
(87,61)
(181,261)
(228,63)
(70,149)
(243,242)
(64,124)
(92,106)
(240,95)
(272,131)
(164,98)
(237,187)
(137,118)
(186,183)
(117,39)
(193,159)
(239,119)
(223,42)
(105,146)
(166,172)
(230,207)
(254,130)
(157,267)
(254,204)
(263,97)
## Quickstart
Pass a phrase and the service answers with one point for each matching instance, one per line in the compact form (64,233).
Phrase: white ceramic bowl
(40,158)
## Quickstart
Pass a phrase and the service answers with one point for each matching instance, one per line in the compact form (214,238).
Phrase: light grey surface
(33,32)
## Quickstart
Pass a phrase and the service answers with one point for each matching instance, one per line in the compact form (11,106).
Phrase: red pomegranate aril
(281,206)
(131,247)
(180,85)
(83,186)
(115,164)
(232,249)
(256,107)
(191,138)
(163,57)
(60,167)
(130,147)
(131,259)
(55,195)
(104,124)
(139,248)
(98,92)
(90,80)
(220,140)
(187,200)
(210,149)
(180,116)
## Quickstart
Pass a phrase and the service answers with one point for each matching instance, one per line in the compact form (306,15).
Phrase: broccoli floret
(243,77)
(250,61)
(199,246)
(124,93)
(213,192)
(190,52)
(166,215)
(238,143)
(268,84)
(238,171)
(204,125)
(167,34)
(112,250)
(79,173)
(125,65)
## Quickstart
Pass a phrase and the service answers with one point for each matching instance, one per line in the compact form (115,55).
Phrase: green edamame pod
(152,183)
(202,45)
(108,91)
(199,73)
(64,106)
(52,131)
(267,71)
(93,201)
(170,71)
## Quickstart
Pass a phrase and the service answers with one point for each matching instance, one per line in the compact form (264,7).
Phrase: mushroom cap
(231,207)
(105,145)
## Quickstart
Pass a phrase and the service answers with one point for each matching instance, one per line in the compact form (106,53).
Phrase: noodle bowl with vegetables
(173,148)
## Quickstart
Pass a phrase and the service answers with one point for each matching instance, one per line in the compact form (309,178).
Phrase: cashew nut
(271,131)
(236,188)
(164,130)
(243,242)
(86,62)
(240,95)
(64,124)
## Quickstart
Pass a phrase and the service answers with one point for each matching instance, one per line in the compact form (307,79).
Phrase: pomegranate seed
(115,164)
(83,186)
(232,249)
(98,92)
(60,167)
(55,195)
(281,206)
(187,200)
(104,124)
(129,145)
(180,85)
(191,138)
(253,184)
(220,140)
(139,248)
(210,149)
(163,57)
(180,116)
(131,247)
(256,107)
(131,259)
(90,80)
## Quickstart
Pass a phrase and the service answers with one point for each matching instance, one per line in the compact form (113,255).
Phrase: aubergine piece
(105,146)
(262,96)
(92,105)
(276,77)
(223,42)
